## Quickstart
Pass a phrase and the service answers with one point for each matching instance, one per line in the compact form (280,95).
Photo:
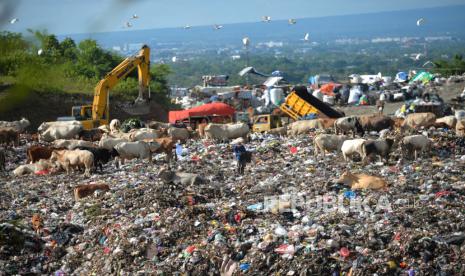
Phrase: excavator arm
(100,107)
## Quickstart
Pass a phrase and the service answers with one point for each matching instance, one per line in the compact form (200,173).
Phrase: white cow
(224,132)
(142,134)
(44,126)
(40,165)
(139,149)
(416,143)
(60,132)
(115,124)
(72,144)
(349,147)
(74,158)
(109,142)
(19,126)
(328,142)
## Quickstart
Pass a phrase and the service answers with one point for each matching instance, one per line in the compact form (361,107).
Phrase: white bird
(307,37)
(246,41)
(266,18)
(187,27)
(14,20)
(428,62)
(420,21)
(418,56)
(128,25)
(218,27)
(292,21)
(174,59)
(135,16)
(40,52)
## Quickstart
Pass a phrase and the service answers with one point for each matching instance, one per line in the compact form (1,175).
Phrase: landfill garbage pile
(286,215)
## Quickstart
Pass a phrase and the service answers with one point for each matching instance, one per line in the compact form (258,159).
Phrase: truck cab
(266,122)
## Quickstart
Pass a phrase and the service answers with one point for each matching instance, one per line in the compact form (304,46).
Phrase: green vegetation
(41,63)
(456,66)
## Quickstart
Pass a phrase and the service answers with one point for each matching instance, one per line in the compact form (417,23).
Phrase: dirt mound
(42,107)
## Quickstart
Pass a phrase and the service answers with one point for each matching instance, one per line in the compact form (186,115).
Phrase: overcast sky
(83,16)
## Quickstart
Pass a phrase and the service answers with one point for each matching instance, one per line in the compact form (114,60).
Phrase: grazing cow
(101,155)
(2,161)
(46,125)
(460,129)
(362,181)
(115,125)
(9,136)
(376,122)
(448,122)
(41,165)
(328,142)
(201,129)
(19,126)
(109,143)
(349,147)
(415,120)
(166,146)
(224,132)
(278,131)
(185,179)
(71,144)
(139,149)
(157,125)
(35,153)
(74,158)
(398,122)
(305,126)
(142,134)
(91,135)
(85,190)
(380,147)
(181,134)
(60,132)
(414,143)
(348,124)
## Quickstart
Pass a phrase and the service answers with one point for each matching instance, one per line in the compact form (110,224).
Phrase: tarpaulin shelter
(328,89)
(211,109)
(401,77)
(422,76)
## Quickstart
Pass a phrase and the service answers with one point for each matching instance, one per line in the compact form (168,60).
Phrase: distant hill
(449,21)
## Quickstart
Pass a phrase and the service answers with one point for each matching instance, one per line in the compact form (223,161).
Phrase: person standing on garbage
(239,153)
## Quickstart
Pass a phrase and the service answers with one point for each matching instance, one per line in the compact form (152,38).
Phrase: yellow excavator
(97,114)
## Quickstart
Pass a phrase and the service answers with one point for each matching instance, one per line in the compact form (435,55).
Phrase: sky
(89,16)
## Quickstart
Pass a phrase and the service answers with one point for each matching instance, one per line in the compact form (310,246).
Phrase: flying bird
(218,27)
(266,18)
(174,59)
(128,25)
(134,16)
(420,21)
(292,21)
(187,27)
(307,37)
(14,20)
(40,52)
(418,56)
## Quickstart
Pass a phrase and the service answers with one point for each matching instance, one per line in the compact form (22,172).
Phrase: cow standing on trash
(241,155)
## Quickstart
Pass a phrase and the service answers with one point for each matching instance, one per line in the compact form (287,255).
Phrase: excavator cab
(84,115)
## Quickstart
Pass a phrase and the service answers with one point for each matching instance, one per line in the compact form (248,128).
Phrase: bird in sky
(187,27)
(128,25)
(217,27)
(420,21)
(134,16)
(14,20)
(292,21)
(307,37)
(266,18)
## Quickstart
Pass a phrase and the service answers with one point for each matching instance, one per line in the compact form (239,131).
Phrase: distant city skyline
(90,16)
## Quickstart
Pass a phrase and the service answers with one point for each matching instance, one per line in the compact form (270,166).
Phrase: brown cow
(460,129)
(91,135)
(166,146)
(201,129)
(376,122)
(362,181)
(9,136)
(35,153)
(415,120)
(82,191)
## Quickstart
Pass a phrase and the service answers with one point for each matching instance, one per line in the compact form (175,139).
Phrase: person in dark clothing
(239,153)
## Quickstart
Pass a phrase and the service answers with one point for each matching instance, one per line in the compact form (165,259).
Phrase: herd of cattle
(66,146)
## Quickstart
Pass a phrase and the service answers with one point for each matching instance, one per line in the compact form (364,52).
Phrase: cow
(185,179)
(157,125)
(349,147)
(181,134)
(142,134)
(60,132)
(415,143)
(2,161)
(19,126)
(446,122)
(35,153)
(278,131)
(201,129)
(416,120)
(71,144)
(42,164)
(328,142)
(166,146)
(73,158)
(305,126)
(9,136)
(380,147)
(460,128)
(91,135)
(224,132)
(46,125)
(101,155)
(348,124)
(131,150)
(109,143)
(115,125)
(85,190)
(376,122)
(362,181)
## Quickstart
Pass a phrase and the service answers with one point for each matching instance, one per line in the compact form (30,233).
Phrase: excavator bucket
(137,108)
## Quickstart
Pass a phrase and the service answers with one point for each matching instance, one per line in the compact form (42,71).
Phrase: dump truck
(300,104)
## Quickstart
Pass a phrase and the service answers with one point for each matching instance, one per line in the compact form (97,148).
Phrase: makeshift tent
(422,76)
(217,109)
(328,89)
(401,77)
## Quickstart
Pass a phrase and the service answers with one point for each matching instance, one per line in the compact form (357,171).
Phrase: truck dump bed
(300,103)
